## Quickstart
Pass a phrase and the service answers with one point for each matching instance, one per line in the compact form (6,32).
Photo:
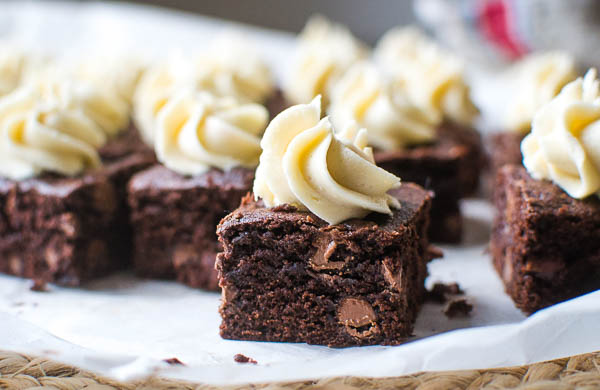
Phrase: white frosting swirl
(197,131)
(324,52)
(67,88)
(333,175)
(231,67)
(538,79)
(38,134)
(432,77)
(564,143)
(364,96)
(12,63)
(153,90)
(234,67)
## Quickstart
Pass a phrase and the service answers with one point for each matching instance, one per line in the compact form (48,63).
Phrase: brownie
(288,276)
(174,218)
(450,167)
(68,230)
(503,148)
(545,244)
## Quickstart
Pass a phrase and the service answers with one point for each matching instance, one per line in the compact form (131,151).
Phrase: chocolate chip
(326,248)
(239,358)
(358,317)
(458,308)
(393,278)
(545,269)
(228,293)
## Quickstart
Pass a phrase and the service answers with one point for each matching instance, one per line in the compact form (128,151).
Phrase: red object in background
(496,21)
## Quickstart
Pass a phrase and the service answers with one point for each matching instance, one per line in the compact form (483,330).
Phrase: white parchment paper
(124,327)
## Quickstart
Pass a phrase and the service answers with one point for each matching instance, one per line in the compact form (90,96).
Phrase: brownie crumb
(239,358)
(174,361)
(458,308)
(440,291)
(39,286)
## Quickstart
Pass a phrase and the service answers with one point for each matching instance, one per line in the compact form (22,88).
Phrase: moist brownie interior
(545,244)
(289,276)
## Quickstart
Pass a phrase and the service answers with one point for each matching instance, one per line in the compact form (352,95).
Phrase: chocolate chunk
(325,249)
(458,308)
(173,361)
(394,278)
(228,293)
(358,317)
(239,358)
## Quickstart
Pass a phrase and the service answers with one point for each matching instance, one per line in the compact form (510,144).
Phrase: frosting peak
(305,163)
(432,77)
(564,143)
(196,131)
(362,95)
(539,78)
(324,52)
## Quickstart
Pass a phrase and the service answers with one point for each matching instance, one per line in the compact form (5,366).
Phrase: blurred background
(367,19)
(492,31)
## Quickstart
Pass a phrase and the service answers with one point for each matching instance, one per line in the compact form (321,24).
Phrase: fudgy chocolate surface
(174,218)
(545,244)
(288,276)
(68,230)
(450,167)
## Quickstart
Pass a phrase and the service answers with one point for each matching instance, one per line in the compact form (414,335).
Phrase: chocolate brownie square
(68,230)
(174,219)
(450,167)
(545,244)
(287,275)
